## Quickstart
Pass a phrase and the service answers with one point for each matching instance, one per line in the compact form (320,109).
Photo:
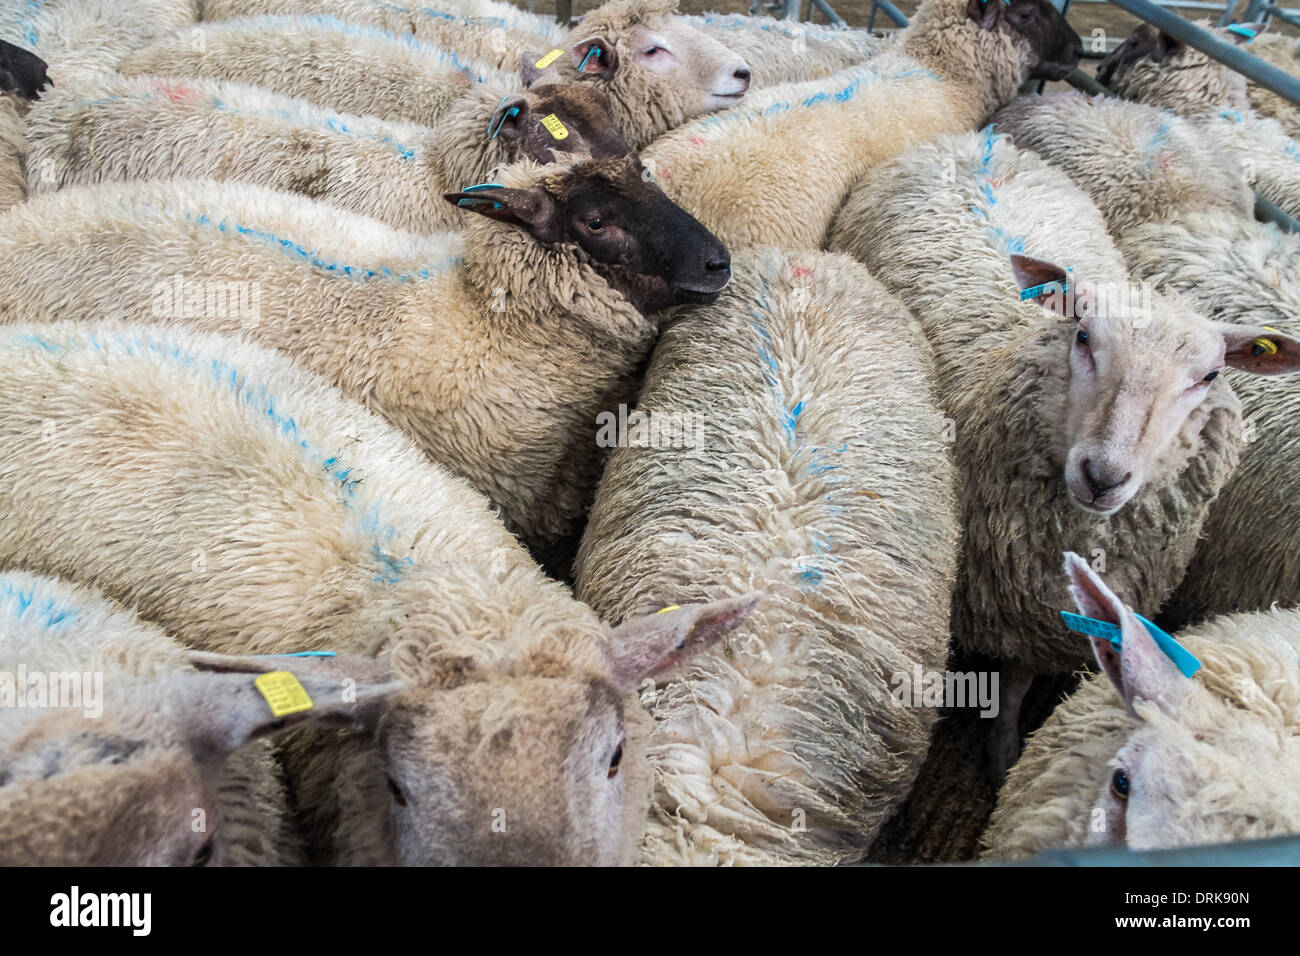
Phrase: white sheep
(658,70)
(772,452)
(82,38)
(956,63)
(1153,68)
(1144,756)
(1181,215)
(13,150)
(249,508)
(115,128)
(116,751)
(495,351)
(1284,53)
(1095,421)
(783,51)
(344,66)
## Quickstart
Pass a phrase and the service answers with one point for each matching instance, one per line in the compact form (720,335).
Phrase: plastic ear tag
(283,692)
(1246,32)
(594,51)
(547,60)
(1261,346)
(555,127)
(1183,659)
(671,607)
(1034,291)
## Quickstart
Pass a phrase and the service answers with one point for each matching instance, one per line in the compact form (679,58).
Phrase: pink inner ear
(1093,599)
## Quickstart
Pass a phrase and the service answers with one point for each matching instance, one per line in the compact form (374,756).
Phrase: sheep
(82,38)
(250,509)
(956,63)
(659,72)
(147,128)
(1147,757)
(495,350)
(343,66)
(1110,434)
(796,399)
(13,149)
(116,750)
(1282,52)
(1153,68)
(1181,214)
(781,51)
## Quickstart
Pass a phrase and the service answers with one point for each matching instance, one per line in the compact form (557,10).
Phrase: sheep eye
(398,797)
(653,50)
(1211,377)
(204,856)
(595,225)
(1082,337)
(615,761)
(1119,785)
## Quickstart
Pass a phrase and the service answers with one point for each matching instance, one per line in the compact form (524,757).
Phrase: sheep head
(1053,48)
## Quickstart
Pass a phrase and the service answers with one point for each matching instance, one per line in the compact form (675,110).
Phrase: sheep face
(1036,26)
(1211,759)
(140,779)
(481,763)
(645,245)
(21,73)
(1136,372)
(1154,68)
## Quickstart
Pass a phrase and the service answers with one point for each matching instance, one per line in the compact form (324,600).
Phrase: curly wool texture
(493,352)
(1233,747)
(1002,372)
(1282,52)
(115,128)
(50,626)
(779,51)
(943,74)
(812,393)
(343,66)
(251,509)
(13,151)
(492,40)
(1181,214)
(83,38)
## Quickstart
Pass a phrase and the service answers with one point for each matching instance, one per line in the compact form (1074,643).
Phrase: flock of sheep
(441,436)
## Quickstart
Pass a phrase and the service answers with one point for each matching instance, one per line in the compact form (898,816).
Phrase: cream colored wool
(244,505)
(1227,756)
(490,40)
(13,150)
(493,352)
(507,15)
(943,74)
(82,38)
(1003,368)
(1215,98)
(140,747)
(1282,52)
(820,475)
(781,51)
(1181,215)
(343,66)
(114,128)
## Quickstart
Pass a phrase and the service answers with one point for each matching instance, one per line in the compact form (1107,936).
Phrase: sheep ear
(1259,349)
(652,644)
(1047,279)
(1140,671)
(985,13)
(1165,46)
(222,712)
(533,209)
(358,668)
(509,118)
(595,55)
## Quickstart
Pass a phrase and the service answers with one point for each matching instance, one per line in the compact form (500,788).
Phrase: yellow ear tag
(671,607)
(554,126)
(283,693)
(1262,345)
(1269,328)
(547,60)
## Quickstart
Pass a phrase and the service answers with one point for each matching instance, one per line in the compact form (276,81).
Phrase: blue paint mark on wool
(988,192)
(313,258)
(1151,151)
(16,603)
(256,396)
(439,14)
(22,23)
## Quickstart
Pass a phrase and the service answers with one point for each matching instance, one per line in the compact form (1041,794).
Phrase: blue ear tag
(595,50)
(1034,291)
(513,111)
(300,654)
(1246,32)
(471,201)
(1183,659)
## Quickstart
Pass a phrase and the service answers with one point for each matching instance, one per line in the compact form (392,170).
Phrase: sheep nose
(1101,480)
(742,74)
(718,264)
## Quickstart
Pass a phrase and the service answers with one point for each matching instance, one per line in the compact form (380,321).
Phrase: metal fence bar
(1265,74)
(828,12)
(889,10)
